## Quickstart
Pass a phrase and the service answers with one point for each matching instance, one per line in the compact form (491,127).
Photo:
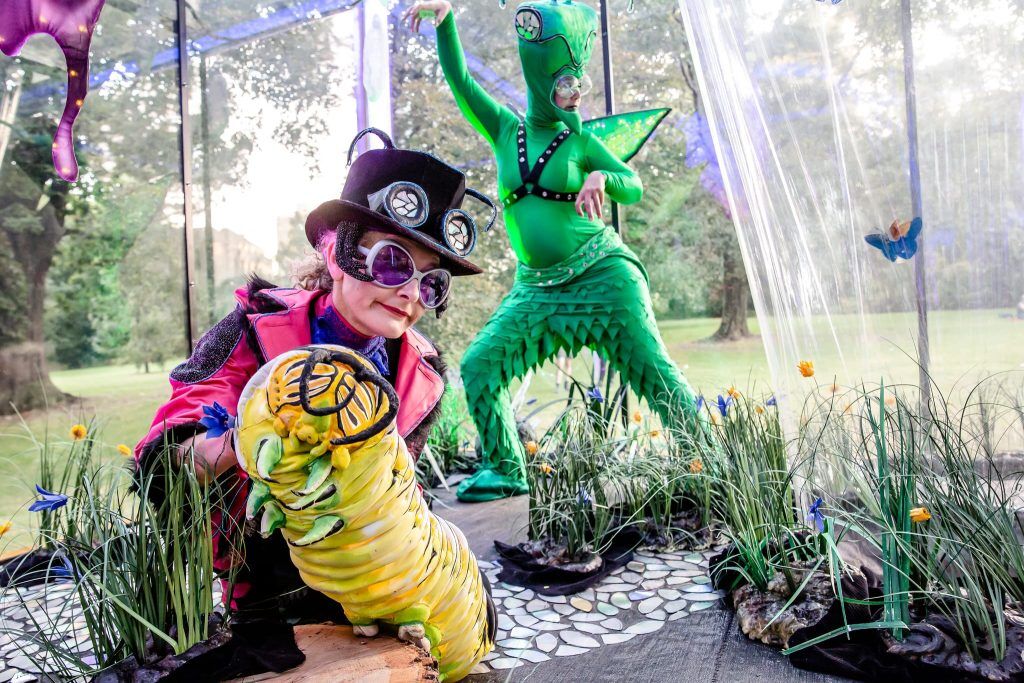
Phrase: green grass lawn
(123,400)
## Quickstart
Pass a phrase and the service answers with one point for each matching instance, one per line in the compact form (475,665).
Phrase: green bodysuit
(577,284)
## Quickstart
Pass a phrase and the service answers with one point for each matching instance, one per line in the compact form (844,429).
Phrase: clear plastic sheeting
(807,106)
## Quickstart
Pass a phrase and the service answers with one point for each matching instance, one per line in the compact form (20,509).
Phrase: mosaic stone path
(633,601)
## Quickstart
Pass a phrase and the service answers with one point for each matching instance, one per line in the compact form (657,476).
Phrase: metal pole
(609,109)
(362,120)
(923,350)
(609,85)
(204,137)
(185,140)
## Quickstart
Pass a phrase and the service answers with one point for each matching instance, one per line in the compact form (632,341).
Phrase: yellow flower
(732,392)
(758,409)
(546,468)
(696,466)
(5,527)
(806,368)
(637,417)
(124,449)
(918,515)
(78,432)
(655,433)
(532,447)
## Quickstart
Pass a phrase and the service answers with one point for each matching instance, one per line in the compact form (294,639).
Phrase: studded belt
(599,246)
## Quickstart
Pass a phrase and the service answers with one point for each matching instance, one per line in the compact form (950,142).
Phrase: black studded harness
(531,176)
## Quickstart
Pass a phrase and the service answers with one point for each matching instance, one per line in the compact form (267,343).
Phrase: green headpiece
(556,38)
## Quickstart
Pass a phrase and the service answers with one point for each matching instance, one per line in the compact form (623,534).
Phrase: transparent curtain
(807,107)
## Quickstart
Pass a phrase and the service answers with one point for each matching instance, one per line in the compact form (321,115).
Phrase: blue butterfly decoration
(899,242)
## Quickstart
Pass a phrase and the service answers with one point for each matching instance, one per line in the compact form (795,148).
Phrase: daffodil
(758,409)
(124,449)
(733,393)
(918,515)
(532,448)
(806,368)
(5,527)
(546,468)
(637,417)
(655,433)
(78,432)
(696,466)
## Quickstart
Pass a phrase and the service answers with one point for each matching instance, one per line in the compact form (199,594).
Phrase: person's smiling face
(377,311)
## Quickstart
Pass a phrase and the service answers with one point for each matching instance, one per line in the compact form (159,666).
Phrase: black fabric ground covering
(244,650)
(930,652)
(520,568)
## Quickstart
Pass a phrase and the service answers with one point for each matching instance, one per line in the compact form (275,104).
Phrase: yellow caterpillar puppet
(317,436)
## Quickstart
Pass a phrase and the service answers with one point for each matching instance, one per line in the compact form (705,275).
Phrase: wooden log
(335,655)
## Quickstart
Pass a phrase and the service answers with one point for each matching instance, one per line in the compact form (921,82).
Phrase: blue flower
(815,514)
(595,395)
(700,403)
(216,420)
(49,501)
(723,405)
(65,571)
(583,497)
(771,402)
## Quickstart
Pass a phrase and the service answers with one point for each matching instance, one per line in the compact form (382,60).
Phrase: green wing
(625,134)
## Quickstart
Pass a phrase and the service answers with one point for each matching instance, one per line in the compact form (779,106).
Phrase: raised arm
(479,108)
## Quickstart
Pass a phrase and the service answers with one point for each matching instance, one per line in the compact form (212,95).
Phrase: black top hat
(407,193)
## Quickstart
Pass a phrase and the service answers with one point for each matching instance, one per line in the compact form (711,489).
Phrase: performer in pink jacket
(390,247)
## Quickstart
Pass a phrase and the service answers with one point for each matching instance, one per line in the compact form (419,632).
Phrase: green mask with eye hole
(556,38)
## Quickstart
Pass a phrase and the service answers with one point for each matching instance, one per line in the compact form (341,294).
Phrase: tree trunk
(24,380)
(735,292)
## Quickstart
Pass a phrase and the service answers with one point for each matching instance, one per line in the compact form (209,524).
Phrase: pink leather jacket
(268,322)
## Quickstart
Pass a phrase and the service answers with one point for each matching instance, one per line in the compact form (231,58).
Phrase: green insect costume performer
(577,285)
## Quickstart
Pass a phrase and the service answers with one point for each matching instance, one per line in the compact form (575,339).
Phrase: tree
(33,208)
(129,187)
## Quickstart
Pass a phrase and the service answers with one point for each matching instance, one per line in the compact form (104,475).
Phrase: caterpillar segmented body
(317,435)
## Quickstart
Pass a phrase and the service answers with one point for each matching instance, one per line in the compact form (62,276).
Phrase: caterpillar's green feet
(488,484)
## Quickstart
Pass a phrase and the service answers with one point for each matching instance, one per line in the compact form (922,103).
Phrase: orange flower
(124,449)
(696,466)
(758,409)
(637,417)
(546,468)
(918,515)
(78,432)
(732,392)
(806,368)
(532,447)
(5,527)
